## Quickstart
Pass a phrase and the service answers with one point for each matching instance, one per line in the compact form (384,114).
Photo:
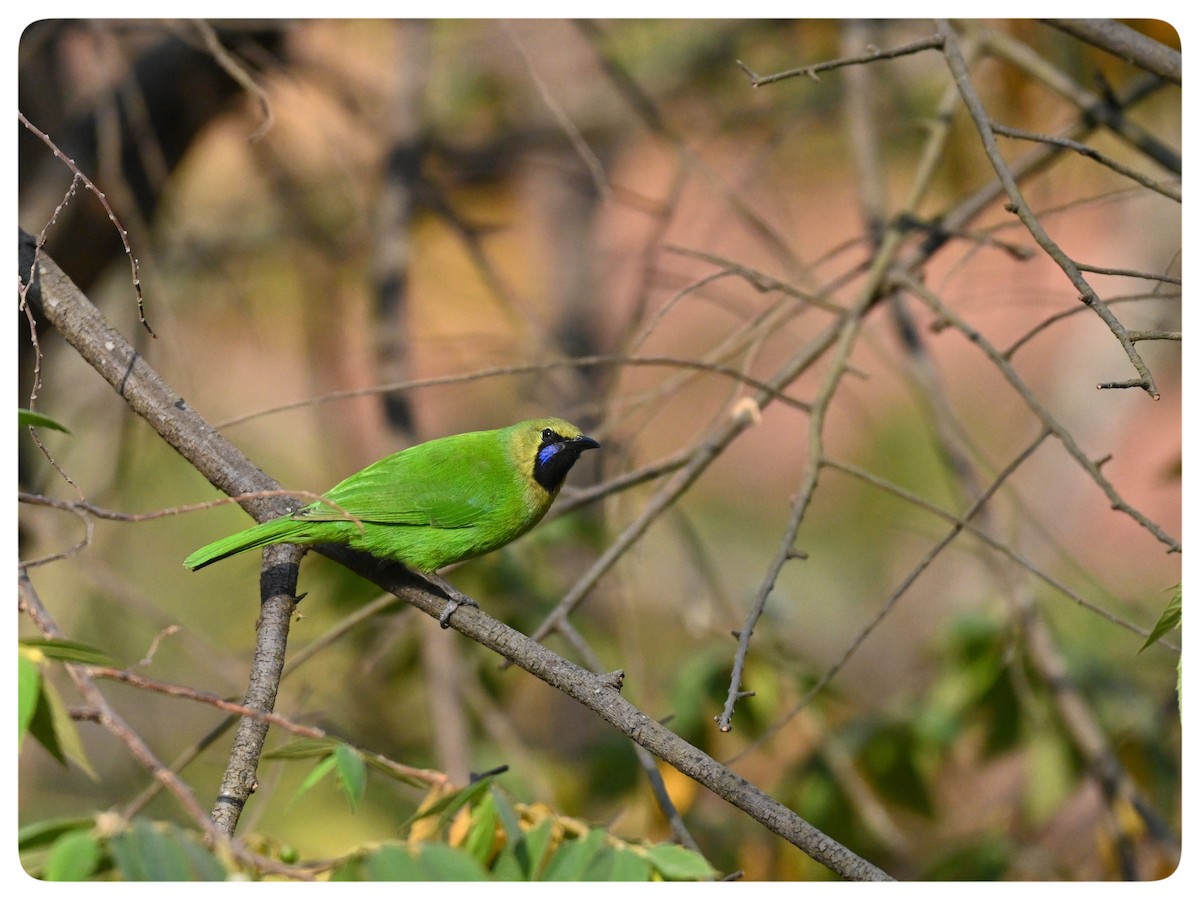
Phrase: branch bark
(962,78)
(1131,46)
(230,471)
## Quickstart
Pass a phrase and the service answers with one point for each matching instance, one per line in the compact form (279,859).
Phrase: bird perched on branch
(434,504)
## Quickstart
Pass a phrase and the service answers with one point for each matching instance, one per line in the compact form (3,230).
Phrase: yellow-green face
(547,449)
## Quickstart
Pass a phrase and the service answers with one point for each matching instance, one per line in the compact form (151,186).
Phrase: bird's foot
(451,605)
(454,598)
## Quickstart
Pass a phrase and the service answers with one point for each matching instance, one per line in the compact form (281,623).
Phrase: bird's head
(547,448)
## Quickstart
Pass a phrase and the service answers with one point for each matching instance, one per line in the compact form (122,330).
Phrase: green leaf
(482,834)
(986,858)
(29,681)
(432,862)
(530,848)
(447,806)
(508,816)
(303,748)
(618,864)
(391,863)
(352,773)
(1171,618)
(40,834)
(1000,707)
(676,863)
(54,729)
(507,867)
(73,857)
(889,758)
(350,870)
(149,852)
(320,770)
(571,861)
(337,757)
(65,651)
(440,862)
(37,420)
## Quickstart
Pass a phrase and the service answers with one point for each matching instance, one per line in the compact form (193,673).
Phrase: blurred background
(357,235)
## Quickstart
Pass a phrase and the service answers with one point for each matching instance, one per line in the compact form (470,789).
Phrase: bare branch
(1132,46)
(872,55)
(149,396)
(962,79)
(1010,374)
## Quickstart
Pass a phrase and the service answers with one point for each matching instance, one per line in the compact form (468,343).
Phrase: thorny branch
(1081,725)
(111,355)
(872,55)
(108,718)
(893,277)
(848,332)
(962,78)
(80,177)
(944,313)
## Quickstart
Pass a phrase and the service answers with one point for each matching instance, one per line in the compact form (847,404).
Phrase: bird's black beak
(581,443)
(554,460)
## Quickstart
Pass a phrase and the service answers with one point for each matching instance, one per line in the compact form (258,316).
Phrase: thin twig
(1166,189)
(944,313)
(514,371)
(1127,44)
(993,544)
(889,604)
(1093,107)
(208,698)
(148,395)
(111,721)
(574,136)
(235,70)
(962,78)
(872,55)
(1075,311)
(77,175)
(847,334)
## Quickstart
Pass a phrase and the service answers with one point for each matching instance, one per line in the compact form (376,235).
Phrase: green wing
(447,483)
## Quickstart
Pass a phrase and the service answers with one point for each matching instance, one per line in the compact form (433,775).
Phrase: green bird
(434,504)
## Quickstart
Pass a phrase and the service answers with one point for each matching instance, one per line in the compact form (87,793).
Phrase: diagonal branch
(873,54)
(1130,45)
(919,290)
(30,603)
(962,78)
(210,453)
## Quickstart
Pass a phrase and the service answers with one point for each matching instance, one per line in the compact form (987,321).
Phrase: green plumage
(433,504)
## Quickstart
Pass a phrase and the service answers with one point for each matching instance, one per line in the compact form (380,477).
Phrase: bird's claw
(451,605)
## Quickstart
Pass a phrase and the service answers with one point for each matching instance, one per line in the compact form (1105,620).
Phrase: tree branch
(958,68)
(219,461)
(1131,46)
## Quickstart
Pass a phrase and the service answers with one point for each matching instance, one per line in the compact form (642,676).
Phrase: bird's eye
(549,436)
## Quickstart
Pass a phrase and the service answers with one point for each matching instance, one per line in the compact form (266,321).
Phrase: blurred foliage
(41,711)
(934,747)
(472,834)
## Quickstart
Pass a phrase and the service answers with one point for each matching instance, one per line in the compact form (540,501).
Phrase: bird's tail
(276,531)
